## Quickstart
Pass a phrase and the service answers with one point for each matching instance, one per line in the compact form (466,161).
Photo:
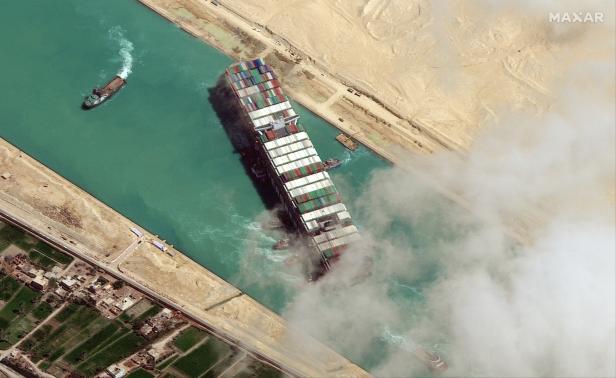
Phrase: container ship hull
(291,163)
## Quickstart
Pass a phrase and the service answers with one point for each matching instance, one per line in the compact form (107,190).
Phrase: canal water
(157,151)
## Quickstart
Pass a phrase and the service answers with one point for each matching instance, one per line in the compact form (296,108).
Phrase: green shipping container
(317,203)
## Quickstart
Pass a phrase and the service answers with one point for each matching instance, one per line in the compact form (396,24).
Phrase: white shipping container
(290,148)
(335,208)
(311,225)
(297,164)
(343,215)
(306,180)
(262,121)
(285,140)
(311,188)
(334,234)
(247,91)
(338,242)
(294,156)
(270,110)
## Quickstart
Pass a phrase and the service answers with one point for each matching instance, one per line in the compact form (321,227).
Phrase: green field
(155,309)
(42,311)
(8,287)
(222,365)
(40,253)
(41,260)
(122,347)
(140,373)
(81,336)
(38,335)
(188,338)
(90,346)
(17,329)
(15,321)
(53,254)
(201,358)
(67,312)
(19,305)
(80,324)
(259,369)
(13,235)
(168,361)
(138,311)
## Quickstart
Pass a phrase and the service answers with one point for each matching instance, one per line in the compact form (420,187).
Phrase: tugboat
(432,360)
(281,244)
(331,163)
(100,95)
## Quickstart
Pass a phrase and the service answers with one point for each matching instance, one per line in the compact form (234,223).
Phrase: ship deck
(293,164)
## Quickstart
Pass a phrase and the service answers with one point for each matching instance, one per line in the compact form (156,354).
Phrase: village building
(115,371)
(69,284)
(39,283)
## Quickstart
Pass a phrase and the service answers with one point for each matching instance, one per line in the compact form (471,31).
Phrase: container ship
(291,164)
(102,94)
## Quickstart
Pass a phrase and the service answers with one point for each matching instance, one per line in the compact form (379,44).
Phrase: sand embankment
(399,75)
(402,76)
(58,211)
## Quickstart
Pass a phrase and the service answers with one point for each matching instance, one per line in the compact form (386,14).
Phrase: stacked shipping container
(293,165)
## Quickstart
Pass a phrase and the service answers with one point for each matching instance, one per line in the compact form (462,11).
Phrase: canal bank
(83,226)
(156,152)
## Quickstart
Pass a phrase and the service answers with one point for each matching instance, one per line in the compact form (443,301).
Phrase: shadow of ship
(229,113)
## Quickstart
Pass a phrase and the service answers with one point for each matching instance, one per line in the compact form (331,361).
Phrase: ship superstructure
(297,173)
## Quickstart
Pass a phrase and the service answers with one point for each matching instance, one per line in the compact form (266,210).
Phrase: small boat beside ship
(347,141)
(102,94)
(332,163)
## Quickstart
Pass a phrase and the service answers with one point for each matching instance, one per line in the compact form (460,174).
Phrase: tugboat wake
(100,95)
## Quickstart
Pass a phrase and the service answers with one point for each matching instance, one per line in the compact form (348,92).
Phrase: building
(69,284)
(115,371)
(54,273)
(60,292)
(158,354)
(32,272)
(39,283)
(125,303)
(293,166)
